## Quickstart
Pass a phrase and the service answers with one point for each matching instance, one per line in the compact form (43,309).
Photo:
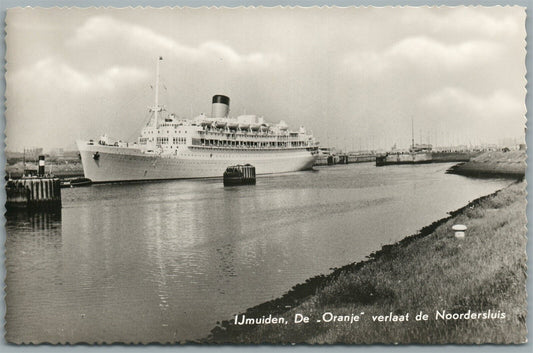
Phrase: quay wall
(437,157)
(344,159)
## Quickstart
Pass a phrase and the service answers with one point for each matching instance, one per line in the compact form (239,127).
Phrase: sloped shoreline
(493,165)
(369,285)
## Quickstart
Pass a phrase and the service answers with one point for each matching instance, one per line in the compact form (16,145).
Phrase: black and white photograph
(266,175)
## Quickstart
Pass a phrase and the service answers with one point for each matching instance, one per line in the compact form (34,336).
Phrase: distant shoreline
(386,283)
(60,169)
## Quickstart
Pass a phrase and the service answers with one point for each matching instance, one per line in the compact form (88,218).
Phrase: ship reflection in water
(165,261)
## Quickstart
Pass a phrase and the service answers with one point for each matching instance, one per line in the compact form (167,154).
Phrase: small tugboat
(417,154)
(71,183)
(239,175)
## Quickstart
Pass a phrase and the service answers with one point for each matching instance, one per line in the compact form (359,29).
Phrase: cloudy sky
(354,76)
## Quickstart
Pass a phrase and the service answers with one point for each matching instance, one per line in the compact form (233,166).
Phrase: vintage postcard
(255,175)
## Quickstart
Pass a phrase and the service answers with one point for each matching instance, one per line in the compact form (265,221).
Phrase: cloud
(59,101)
(498,104)
(482,117)
(224,52)
(357,75)
(54,72)
(495,23)
(423,53)
(426,51)
(97,30)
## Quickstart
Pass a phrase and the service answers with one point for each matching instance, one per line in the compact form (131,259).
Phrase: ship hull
(104,164)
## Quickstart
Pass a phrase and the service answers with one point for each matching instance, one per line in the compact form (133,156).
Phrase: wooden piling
(34,193)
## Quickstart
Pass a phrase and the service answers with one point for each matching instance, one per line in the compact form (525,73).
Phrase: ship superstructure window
(143,140)
(162,140)
(179,140)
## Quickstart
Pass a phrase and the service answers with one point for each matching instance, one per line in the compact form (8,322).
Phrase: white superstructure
(174,148)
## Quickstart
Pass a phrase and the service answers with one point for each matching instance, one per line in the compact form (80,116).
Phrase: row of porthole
(158,131)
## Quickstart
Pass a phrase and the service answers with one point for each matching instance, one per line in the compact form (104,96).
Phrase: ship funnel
(220,106)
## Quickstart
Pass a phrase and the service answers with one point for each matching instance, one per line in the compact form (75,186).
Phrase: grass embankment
(446,157)
(430,271)
(494,164)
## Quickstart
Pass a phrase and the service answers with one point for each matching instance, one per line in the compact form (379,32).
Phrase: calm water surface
(165,261)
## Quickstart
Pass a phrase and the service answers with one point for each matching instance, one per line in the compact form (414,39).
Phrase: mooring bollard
(41,166)
(459,230)
(239,175)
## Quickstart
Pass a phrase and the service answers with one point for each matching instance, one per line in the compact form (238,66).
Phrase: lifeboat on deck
(233,124)
(220,123)
(282,125)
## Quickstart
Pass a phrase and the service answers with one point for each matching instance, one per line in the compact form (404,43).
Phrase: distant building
(32,153)
(510,143)
(57,152)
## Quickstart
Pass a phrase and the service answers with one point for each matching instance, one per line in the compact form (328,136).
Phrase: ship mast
(156,108)
(412,133)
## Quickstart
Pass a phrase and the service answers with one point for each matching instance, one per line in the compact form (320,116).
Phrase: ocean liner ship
(200,147)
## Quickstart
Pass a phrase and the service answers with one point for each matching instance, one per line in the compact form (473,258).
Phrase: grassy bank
(494,164)
(429,272)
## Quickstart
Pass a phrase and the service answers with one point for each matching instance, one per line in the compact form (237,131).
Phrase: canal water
(164,261)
